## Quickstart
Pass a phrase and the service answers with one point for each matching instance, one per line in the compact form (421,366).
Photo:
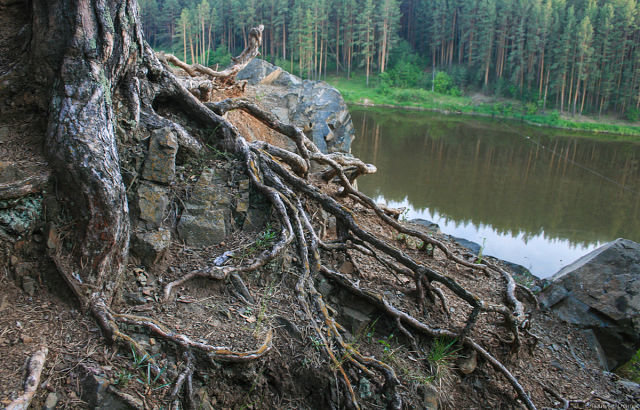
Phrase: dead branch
(34,369)
(239,62)
(219,353)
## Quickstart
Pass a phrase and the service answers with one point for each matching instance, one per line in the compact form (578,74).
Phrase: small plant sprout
(480,252)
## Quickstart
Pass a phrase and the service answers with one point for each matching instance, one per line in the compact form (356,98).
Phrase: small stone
(152,202)
(151,247)
(29,285)
(26,339)
(365,388)
(152,341)
(346,268)
(355,319)
(429,396)
(50,403)
(160,165)
(243,185)
(24,269)
(468,364)
(134,299)
(243,204)
(53,241)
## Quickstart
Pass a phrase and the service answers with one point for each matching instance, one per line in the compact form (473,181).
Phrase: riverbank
(356,92)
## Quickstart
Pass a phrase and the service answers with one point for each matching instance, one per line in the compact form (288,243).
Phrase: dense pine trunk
(89,48)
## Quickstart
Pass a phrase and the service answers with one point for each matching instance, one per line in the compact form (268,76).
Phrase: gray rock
(29,285)
(431,226)
(601,291)
(471,246)
(95,389)
(20,218)
(429,396)
(303,103)
(152,202)
(160,165)
(355,320)
(365,388)
(50,402)
(150,247)
(629,386)
(467,364)
(203,230)
(256,219)
(256,71)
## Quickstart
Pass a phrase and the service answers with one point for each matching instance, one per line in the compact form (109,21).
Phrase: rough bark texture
(84,50)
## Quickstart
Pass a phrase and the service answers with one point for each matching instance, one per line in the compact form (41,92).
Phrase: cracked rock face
(601,291)
(314,106)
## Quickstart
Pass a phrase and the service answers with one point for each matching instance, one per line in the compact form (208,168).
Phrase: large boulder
(314,106)
(601,291)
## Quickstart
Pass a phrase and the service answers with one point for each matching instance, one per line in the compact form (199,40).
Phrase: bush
(530,108)
(442,83)
(404,75)
(221,57)
(632,114)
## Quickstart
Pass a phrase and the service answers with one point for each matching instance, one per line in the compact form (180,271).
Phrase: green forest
(574,56)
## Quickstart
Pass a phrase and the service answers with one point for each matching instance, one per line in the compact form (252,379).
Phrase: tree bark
(89,47)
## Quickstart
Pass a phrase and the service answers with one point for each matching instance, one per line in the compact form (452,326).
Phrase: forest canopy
(575,55)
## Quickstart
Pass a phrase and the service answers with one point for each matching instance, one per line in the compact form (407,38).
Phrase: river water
(533,196)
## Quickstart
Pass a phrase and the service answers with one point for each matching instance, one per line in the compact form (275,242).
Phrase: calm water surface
(536,197)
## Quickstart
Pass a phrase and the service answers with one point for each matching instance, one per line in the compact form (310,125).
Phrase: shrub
(632,114)
(442,83)
(220,56)
(530,108)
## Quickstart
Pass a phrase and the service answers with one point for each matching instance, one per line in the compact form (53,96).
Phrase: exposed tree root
(31,383)
(23,187)
(284,178)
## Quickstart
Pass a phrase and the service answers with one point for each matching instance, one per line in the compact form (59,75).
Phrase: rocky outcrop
(601,291)
(314,106)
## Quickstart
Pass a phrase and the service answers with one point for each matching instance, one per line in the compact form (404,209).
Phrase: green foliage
(530,108)
(632,114)
(148,376)
(512,48)
(388,352)
(266,238)
(442,83)
(220,56)
(441,357)
(631,369)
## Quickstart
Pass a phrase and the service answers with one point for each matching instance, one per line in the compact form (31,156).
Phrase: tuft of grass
(441,357)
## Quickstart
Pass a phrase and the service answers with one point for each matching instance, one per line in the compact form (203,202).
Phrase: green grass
(355,91)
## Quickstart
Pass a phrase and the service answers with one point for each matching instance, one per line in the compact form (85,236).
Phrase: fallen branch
(34,369)
(239,62)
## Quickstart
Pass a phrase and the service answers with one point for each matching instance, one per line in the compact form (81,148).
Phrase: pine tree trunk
(84,50)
